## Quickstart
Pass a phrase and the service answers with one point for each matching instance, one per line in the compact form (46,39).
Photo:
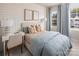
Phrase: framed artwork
(35,15)
(30,15)
(27,14)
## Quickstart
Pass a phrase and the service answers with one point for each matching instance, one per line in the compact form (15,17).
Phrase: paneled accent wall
(15,13)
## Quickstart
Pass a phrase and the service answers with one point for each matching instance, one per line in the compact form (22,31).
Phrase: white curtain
(63,19)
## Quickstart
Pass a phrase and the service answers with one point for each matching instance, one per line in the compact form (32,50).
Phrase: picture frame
(27,15)
(30,15)
(35,15)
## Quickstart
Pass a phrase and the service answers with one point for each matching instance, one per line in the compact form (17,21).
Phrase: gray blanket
(50,44)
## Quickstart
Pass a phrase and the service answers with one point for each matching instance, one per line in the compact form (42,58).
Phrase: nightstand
(23,37)
(4,39)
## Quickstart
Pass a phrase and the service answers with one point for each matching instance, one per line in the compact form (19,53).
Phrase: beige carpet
(75,48)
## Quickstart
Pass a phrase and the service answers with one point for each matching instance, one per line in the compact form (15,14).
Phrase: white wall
(15,12)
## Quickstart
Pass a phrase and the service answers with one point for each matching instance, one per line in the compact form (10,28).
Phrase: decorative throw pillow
(38,28)
(28,29)
(25,29)
(33,29)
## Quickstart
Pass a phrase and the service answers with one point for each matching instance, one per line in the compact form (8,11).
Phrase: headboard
(28,23)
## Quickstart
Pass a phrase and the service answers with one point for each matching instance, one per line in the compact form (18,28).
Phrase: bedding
(48,43)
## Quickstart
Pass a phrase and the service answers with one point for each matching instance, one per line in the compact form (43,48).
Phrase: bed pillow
(38,28)
(25,29)
(32,29)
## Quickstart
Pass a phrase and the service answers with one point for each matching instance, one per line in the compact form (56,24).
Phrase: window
(74,18)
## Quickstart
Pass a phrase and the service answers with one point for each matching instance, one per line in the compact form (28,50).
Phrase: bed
(47,43)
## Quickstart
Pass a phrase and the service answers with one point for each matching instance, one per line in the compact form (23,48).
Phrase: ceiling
(48,4)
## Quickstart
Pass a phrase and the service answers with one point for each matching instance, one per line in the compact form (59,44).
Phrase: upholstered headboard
(28,23)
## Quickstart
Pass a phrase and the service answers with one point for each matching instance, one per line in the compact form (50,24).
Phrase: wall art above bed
(30,15)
